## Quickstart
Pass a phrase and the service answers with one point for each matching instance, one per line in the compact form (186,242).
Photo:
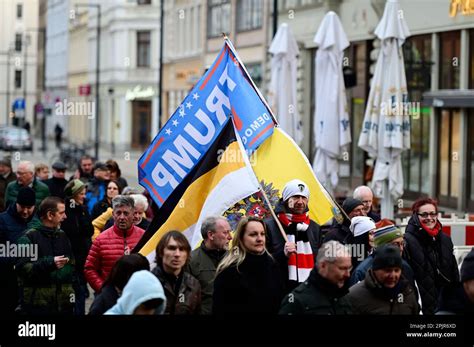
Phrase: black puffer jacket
(432,261)
(254,287)
(339,232)
(317,296)
(78,228)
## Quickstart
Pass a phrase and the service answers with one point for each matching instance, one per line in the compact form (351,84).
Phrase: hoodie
(141,287)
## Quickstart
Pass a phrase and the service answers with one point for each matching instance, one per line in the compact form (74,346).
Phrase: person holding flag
(197,165)
(296,249)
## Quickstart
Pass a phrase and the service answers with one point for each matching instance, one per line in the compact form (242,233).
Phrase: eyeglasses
(399,244)
(428,214)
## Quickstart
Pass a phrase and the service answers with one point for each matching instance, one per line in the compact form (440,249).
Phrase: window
(143,2)
(417,55)
(470,159)
(450,50)
(249,14)
(18,42)
(18,79)
(143,49)
(471,59)
(218,20)
(357,54)
(449,166)
(19,11)
(255,72)
(292,4)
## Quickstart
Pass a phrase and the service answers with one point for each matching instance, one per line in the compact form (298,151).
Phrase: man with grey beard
(216,234)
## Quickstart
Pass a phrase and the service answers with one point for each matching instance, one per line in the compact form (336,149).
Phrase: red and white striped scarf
(300,263)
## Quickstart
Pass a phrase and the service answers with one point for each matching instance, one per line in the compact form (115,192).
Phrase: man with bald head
(365,194)
(25,174)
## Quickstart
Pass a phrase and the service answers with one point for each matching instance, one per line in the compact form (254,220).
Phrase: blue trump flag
(225,89)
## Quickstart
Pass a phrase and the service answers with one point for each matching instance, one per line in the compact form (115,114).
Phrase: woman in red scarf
(429,252)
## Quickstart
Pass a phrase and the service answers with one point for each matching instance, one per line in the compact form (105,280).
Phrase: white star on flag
(175,123)
(168,131)
(181,111)
(189,105)
(195,96)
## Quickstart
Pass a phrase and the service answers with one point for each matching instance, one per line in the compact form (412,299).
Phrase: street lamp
(25,45)
(97,76)
(160,70)
(111,93)
(8,106)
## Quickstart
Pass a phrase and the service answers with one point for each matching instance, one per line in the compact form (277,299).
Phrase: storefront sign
(466,7)
(85,89)
(139,93)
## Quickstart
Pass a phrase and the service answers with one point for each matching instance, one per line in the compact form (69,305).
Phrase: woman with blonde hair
(248,278)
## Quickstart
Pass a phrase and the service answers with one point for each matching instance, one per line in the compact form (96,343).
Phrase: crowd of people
(81,234)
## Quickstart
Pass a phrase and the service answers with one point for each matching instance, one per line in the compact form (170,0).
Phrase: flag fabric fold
(222,178)
(279,160)
(224,90)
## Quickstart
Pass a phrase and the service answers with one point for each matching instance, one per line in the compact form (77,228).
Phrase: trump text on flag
(225,90)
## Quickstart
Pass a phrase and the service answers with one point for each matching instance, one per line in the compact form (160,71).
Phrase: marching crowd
(81,232)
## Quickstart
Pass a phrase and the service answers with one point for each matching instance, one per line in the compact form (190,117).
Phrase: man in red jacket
(113,243)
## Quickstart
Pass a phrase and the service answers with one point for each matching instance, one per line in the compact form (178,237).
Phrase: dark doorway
(141,124)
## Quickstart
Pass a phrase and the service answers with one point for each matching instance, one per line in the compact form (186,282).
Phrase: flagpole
(277,221)
(273,213)
(335,203)
(231,47)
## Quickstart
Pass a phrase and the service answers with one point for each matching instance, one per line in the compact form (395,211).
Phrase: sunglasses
(428,214)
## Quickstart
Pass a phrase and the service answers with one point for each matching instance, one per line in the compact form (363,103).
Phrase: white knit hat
(361,224)
(295,187)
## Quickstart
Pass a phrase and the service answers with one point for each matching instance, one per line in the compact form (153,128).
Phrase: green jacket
(369,297)
(316,296)
(203,266)
(45,289)
(41,190)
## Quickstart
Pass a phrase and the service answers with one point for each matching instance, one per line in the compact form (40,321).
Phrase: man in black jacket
(6,176)
(323,292)
(365,194)
(341,232)
(293,215)
(78,228)
(57,183)
(13,224)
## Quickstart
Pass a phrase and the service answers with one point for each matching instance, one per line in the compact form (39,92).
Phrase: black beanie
(467,267)
(350,204)
(26,197)
(387,256)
